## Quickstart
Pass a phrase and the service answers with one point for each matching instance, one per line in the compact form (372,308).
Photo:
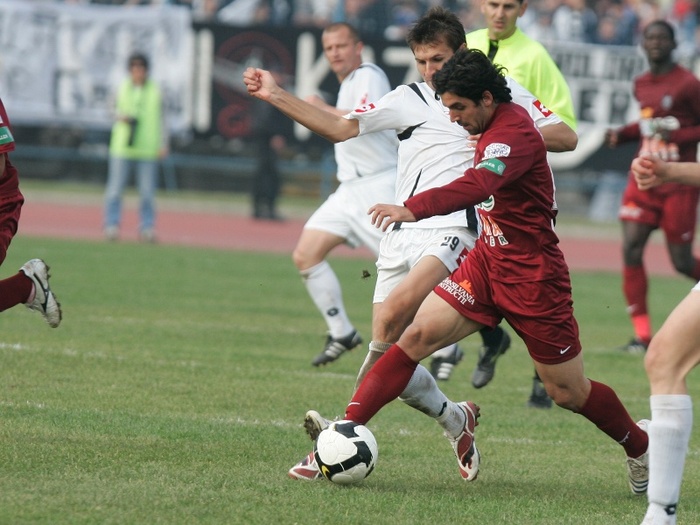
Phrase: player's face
(343,54)
(471,116)
(502,16)
(658,44)
(430,58)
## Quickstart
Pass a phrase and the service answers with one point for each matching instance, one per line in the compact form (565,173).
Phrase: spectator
(268,142)
(313,13)
(574,21)
(370,17)
(138,141)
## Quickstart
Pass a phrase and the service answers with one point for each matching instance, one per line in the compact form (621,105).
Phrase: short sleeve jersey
(528,62)
(7,141)
(365,156)
(433,150)
(512,187)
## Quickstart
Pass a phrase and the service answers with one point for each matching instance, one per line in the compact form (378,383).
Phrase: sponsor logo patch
(457,290)
(494,165)
(497,149)
(5,135)
(542,108)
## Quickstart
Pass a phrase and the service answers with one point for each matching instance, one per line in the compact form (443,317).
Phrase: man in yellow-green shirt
(526,60)
(529,63)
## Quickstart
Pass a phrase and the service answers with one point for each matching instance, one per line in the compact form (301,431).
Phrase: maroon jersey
(512,186)
(673,94)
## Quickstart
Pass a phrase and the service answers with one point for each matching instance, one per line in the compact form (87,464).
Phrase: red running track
(45,217)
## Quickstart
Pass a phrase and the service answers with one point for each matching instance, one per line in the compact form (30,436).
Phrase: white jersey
(433,151)
(365,156)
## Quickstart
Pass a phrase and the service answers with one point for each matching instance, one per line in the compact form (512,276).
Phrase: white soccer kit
(366,167)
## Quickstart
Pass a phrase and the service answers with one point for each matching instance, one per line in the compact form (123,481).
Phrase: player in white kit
(366,171)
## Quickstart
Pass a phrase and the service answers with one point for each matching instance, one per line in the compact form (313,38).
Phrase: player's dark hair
(437,25)
(664,24)
(354,33)
(468,74)
(138,59)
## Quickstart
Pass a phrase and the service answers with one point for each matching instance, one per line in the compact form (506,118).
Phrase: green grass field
(174,390)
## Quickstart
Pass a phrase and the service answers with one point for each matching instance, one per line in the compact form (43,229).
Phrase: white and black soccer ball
(346,452)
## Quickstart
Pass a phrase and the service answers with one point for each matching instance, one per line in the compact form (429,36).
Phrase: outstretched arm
(650,171)
(260,84)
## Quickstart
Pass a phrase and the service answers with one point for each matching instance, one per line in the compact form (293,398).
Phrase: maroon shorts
(11,201)
(675,212)
(540,312)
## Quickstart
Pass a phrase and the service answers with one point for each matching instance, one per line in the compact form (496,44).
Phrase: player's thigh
(313,246)
(675,349)
(436,325)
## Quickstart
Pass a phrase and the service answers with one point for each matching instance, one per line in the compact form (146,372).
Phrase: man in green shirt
(526,60)
(529,63)
(137,143)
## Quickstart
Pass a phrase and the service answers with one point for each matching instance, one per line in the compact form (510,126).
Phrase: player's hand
(384,215)
(649,171)
(259,83)
(472,140)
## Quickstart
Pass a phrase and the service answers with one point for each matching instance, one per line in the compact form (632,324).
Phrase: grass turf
(174,391)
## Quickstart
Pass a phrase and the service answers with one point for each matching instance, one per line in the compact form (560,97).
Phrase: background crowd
(612,22)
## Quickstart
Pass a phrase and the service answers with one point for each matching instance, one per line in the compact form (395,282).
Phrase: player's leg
(29,286)
(597,402)
(674,351)
(496,342)
(325,291)
(635,282)
(435,325)
(117,176)
(328,227)
(147,177)
(542,315)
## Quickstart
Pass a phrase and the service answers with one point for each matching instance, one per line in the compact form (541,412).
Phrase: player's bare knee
(565,398)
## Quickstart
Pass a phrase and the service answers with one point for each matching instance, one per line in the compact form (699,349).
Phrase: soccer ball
(346,452)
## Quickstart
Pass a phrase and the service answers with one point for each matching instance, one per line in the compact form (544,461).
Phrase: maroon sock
(14,290)
(607,412)
(634,286)
(383,383)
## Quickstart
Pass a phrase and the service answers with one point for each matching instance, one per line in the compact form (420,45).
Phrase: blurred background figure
(574,21)
(138,141)
(669,98)
(268,143)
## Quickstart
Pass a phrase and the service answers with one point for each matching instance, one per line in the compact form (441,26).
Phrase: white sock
(422,393)
(669,435)
(376,350)
(324,288)
(656,515)
(444,352)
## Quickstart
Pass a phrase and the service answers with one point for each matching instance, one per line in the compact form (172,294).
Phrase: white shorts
(344,213)
(401,250)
